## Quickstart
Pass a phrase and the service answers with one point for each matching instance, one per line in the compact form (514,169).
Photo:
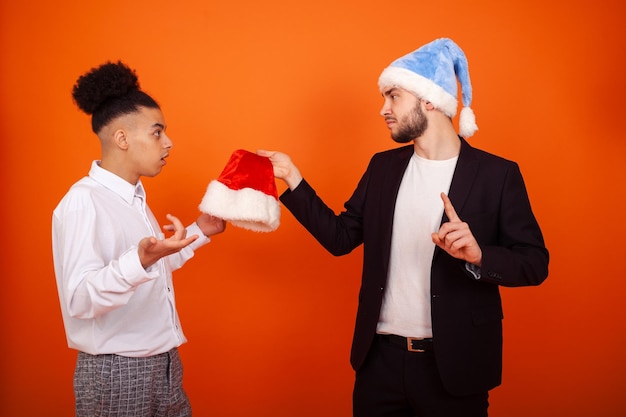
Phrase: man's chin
(401,140)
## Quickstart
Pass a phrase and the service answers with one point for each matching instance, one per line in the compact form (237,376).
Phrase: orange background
(269,316)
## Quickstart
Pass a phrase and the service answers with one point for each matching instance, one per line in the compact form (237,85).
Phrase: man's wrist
(294,181)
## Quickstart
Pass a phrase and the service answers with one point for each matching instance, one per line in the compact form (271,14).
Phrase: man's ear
(120,138)
(428,105)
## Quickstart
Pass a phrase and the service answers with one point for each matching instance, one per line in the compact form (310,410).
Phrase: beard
(412,126)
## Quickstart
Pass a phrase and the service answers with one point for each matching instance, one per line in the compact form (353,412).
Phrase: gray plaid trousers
(120,386)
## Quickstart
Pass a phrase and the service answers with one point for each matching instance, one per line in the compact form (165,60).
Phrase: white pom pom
(467,122)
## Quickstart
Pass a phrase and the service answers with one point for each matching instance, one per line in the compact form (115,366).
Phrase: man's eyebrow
(159,125)
(389,91)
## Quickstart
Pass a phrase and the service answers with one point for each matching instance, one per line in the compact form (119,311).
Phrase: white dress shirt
(109,302)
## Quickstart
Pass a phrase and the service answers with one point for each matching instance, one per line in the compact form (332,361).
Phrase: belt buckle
(409,344)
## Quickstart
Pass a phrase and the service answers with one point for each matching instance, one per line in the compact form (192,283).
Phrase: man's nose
(385,109)
(167,143)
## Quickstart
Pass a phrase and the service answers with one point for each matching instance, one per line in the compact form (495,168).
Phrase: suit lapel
(461,185)
(392,177)
(463,178)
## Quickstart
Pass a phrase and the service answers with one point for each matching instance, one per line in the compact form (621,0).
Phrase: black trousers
(394,382)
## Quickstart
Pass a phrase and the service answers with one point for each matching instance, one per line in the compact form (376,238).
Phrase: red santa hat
(245,193)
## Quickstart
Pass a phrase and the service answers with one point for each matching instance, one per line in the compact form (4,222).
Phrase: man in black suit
(443,225)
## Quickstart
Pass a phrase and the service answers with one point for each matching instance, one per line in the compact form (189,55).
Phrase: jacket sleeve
(518,257)
(338,234)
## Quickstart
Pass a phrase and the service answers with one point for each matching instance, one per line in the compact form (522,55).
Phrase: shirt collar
(116,184)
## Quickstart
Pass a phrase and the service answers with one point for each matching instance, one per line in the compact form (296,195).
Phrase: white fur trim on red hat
(246,208)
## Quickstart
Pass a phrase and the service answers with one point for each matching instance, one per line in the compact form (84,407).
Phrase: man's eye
(157,133)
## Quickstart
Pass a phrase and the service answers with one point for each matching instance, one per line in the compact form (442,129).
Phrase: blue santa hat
(431,73)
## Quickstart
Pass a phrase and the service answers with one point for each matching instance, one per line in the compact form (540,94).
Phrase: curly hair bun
(109,80)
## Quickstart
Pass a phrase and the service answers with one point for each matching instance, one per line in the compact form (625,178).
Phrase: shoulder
(468,152)
(392,155)
(79,196)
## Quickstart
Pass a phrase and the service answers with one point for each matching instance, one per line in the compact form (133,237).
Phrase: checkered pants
(120,386)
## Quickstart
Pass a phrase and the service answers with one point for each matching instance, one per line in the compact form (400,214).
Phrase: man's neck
(113,165)
(438,144)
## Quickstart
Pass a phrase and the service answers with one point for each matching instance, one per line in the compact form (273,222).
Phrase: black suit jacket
(488,193)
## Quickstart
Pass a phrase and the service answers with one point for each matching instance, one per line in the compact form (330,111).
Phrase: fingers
(455,236)
(187,241)
(175,221)
(177,227)
(277,159)
(274,156)
(178,239)
(151,249)
(449,209)
(450,241)
(447,227)
(453,239)
(147,243)
(263,152)
(284,168)
(210,225)
(446,235)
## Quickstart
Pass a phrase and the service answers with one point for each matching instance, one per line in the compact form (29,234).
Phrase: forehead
(399,93)
(395,90)
(150,113)
(144,118)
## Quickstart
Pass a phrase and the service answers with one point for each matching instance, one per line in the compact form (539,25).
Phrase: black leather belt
(411,344)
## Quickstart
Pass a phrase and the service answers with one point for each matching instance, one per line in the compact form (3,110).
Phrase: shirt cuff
(473,269)
(194,229)
(132,270)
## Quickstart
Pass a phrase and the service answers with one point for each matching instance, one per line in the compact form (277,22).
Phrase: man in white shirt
(114,267)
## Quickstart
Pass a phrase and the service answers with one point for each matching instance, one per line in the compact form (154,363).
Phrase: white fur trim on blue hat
(467,122)
(431,73)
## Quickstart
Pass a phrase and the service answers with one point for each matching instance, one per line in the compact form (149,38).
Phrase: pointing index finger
(449,209)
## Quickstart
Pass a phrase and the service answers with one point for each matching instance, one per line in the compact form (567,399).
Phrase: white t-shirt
(418,212)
